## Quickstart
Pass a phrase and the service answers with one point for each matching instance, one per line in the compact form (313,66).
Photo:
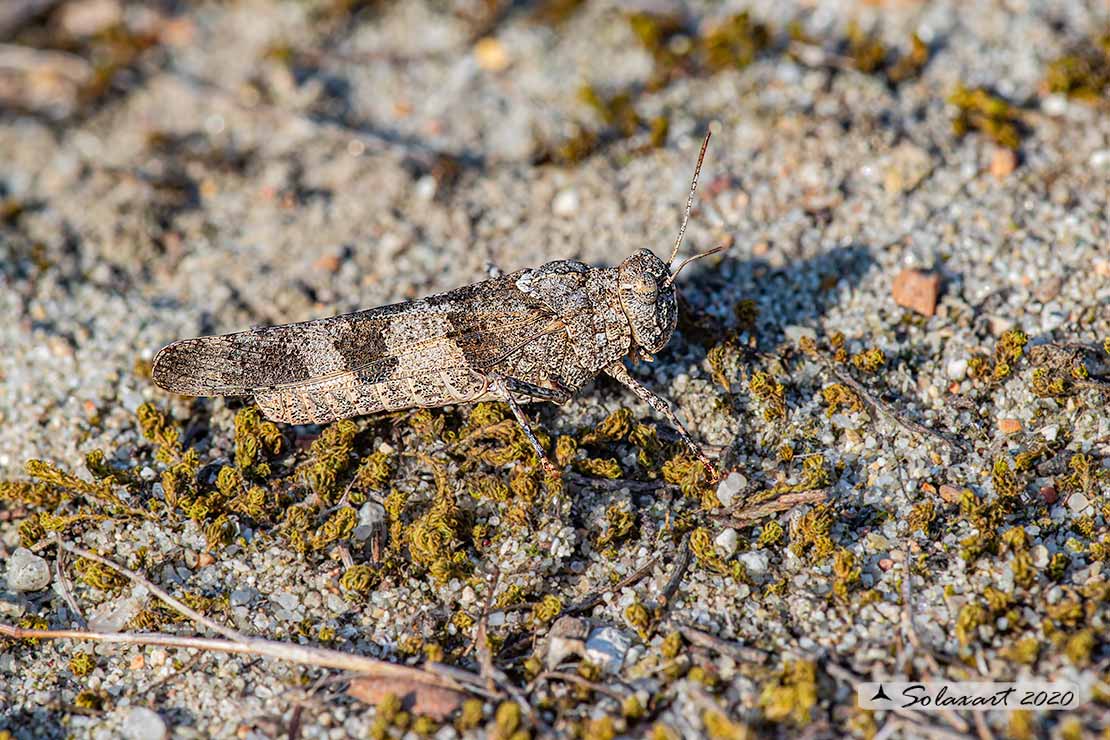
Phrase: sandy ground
(266,162)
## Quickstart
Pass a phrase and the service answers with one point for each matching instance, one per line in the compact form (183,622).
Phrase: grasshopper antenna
(690,201)
(688,260)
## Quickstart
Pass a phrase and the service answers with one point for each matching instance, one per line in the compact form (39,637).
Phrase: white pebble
(727,542)
(565,203)
(755,562)
(728,489)
(956,369)
(27,571)
(1078,502)
(143,724)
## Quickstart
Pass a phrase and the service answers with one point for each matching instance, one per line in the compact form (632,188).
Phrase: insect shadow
(798,293)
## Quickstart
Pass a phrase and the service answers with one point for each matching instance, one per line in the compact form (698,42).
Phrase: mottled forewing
(430,352)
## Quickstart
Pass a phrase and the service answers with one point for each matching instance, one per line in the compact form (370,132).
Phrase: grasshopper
(532,335)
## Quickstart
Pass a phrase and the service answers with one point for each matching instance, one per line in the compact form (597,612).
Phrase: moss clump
(639,619)
(549,607)
(689,474)
(771,394)
(720,727)
(977,109)
(671,646)
(792,696)
(771,535)
(921,517)
(1084,72)
(869,361)
(614,428)
(735,42)
(506,720)
(838,396)
(810,533)
(969,619)
(1024,651)
(620,523)
(617,111)
(331,456)
(1080,647)
(599,467)
(82,664)
(846,574)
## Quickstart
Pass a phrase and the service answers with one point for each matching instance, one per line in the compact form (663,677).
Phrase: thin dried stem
(176,604)
(301,654)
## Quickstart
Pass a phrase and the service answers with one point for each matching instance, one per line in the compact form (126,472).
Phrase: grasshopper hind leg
(504,388)
(620,373)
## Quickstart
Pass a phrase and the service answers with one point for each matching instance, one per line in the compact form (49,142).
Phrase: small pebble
(606,648)
(727,542)
(1039,554)
(956,369)
(566,639)
(565,203)
(729,488)
(1078,502)
(491,54)
(950,494)
(143,724)
(113,616)
(756,562)
(1003,162)
(1049,494)
(1009,426)
(27,571)
(917,291)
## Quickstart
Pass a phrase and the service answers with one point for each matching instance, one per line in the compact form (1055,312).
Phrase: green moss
(771,535)
(846,574)
(671,646)
(791,696)
(838,396)
(507,719)
(614,428)
(549,607)
(869,361)
(639,619)
(621,523)
(810,533)
(979,110)
(1024,651)
(921,517)
(734,42)
(701,544)
(1084,72)
(1080,647)
(771,394)
(470,716)
(719,727)
(599,467)
(82,664)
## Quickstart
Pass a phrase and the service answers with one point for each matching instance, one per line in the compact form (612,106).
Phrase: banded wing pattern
(430,352)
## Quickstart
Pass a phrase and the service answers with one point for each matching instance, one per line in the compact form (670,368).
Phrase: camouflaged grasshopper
(532,335)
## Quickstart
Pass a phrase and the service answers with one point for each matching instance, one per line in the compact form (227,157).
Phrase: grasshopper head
(648,299)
